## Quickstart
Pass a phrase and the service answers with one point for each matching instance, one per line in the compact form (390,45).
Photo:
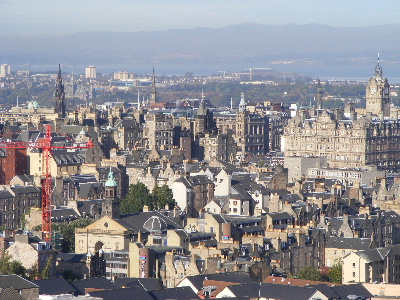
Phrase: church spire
(59,95)
(319,94)
(153,92)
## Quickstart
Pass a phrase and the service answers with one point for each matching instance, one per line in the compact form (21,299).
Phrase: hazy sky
(57,17)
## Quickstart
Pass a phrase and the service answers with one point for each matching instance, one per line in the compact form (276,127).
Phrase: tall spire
(378,70)
(319,94)
(59,95)
(153,92)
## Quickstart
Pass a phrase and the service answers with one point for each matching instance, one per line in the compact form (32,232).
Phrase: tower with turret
(378,94)
(111,203)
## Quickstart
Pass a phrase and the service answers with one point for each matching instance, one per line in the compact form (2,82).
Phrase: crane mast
(47,147)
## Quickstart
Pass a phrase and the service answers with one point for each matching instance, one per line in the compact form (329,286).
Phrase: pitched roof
(177,293)
(272,291)
(147,283)
(97,283)
(10,294)
(16,282)
(54,286)
(348,243)
(71,257)
(294,281)
(238,277)
(134,293)
(136,221)
(351,289)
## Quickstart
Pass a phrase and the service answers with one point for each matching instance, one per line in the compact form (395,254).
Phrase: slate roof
(351,289)
(287,292)
(71,257)
(97,283)
(64,213)
(240,277)
(85,207)
(271,291)
(280,216)
(177,293)
(10,294)
(378,254)
(136,221)
(6,194)
(348,243)
(147,283)
(134,293)
(65,158)
(16,282)
(25,189)
(25,178)
(54,286)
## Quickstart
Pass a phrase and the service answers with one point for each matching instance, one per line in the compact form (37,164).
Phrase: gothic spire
(153,92)
(319,94)
(59,95)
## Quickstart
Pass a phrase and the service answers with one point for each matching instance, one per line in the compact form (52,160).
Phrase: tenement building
(345,139)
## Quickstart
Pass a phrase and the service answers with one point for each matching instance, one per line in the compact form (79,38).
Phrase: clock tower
(378,94)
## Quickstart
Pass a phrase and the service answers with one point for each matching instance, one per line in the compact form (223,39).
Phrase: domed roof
(155,224)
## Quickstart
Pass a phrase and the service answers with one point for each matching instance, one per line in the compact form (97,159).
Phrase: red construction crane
(46,145)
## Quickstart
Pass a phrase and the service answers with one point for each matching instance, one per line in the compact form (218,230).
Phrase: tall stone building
(349,142)
(251,131)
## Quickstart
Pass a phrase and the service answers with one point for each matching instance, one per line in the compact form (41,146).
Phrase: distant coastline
(324,72)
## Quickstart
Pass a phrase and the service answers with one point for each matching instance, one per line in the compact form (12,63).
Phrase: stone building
(219,146)
(348,142)
(159,131)
(251,131)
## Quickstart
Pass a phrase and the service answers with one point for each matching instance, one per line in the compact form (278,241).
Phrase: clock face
(373,91)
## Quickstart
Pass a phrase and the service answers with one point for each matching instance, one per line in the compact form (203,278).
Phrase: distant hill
(248,42)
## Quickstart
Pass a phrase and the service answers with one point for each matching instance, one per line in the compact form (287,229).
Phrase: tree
(8,266)
(48,269)
(310,273)
(67,231)
(335,273)
(137,197)
(163,196)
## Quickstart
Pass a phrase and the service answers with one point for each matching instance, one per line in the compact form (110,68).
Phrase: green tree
(335,273)
(310,273)
(8,266)
(163,196)
(137,197)
(47,271)
(67,231)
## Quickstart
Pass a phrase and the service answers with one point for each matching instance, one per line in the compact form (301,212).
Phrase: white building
(5,70)
(90,72)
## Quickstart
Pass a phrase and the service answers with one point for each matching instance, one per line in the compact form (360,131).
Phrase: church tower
(378,94)
(153,92)
(59,96)
(111,203)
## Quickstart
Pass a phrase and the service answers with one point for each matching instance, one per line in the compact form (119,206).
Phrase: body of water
(324,72)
